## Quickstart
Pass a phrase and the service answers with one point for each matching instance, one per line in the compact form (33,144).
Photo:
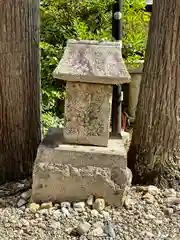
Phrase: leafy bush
(135,29)
(83,19)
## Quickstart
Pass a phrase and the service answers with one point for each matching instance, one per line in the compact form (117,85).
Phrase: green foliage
(135,24)
(83,19)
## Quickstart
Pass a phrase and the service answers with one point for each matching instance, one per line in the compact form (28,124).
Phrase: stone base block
(72,172)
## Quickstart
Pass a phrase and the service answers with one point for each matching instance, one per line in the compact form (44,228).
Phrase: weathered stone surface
(73,173)
(87,113)
(113,156)
(63,182)
(92,62)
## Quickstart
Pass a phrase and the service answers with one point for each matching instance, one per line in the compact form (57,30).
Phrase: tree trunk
(19,87)
(155,148)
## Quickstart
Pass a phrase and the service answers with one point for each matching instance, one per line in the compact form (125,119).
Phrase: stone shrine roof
(92,62)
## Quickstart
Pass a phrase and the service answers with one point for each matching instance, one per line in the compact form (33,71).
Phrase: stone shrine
(81,160)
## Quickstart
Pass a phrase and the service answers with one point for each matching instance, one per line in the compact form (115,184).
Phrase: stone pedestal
(73,172)
(134,88)
(81,160)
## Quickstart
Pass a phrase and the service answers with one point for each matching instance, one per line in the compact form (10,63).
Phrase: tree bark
(19,87)
(154,154)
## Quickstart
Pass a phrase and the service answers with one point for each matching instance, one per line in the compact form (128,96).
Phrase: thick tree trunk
(154,154)
(19,87)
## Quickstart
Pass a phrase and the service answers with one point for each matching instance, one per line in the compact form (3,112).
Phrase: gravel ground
(148,213)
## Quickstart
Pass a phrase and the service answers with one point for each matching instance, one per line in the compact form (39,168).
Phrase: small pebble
(159,222)
(7,225)
(105,215)
(99,204)
(26,195)
(90,200)
(108,229)
(34,207)
(56,206)
(42,225)
(168,211)
(83,238)
(173,201)
(24,222)
(83,228)
(46,205)
(94,213)
(65,212)
(79,206)
(169,193)
(97,232)
(148,197)
(68,230)
(177,207)
(65,205)
(57,215)
(153,190)
(21,202)
(149,234)
(2,202)
(128,203)
(55,225)
(98,224)
(43,212)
